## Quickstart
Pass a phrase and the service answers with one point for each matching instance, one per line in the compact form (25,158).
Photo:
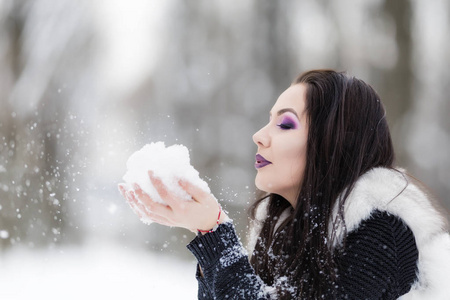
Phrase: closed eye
(287,121)
(286,126)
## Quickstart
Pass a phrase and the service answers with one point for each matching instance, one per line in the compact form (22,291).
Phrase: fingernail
(136,186)
(121,189)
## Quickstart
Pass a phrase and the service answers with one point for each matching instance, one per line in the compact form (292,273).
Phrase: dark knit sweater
(378,262)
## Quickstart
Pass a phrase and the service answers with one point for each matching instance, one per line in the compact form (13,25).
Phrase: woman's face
(281,155)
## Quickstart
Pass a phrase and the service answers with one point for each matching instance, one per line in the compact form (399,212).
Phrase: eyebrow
(282,111)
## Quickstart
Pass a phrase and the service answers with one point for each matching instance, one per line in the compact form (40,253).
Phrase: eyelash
(285,126)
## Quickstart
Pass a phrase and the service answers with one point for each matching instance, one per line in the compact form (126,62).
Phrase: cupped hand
(199,214)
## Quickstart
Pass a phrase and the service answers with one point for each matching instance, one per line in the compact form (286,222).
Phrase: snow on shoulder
(168,164)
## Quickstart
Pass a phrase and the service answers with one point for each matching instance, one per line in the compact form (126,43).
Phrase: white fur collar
(388,190)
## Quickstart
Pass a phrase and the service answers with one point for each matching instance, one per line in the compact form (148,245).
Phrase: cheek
(295,162)
(297,169)
(296,165)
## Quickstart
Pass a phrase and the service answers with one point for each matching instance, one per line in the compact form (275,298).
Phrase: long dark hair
(348,135)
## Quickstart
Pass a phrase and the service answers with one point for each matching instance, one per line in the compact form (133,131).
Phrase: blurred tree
(38,142)
(396,83)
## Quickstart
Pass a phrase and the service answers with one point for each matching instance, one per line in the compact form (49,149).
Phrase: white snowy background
(95,271)
(83,84)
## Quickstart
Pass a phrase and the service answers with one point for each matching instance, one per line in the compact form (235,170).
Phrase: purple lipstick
(261,161)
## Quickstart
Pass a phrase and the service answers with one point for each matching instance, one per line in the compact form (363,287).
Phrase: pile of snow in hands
(169,164)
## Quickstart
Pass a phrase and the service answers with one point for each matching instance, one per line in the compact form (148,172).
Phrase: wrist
(221,217)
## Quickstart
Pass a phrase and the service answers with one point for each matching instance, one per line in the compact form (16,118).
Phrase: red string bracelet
(215,226)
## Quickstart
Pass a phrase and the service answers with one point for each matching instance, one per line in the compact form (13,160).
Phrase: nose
(261,138)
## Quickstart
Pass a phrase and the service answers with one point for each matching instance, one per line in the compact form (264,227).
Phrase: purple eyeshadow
(288,123)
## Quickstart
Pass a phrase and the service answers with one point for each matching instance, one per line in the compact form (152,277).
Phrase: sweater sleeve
(379,260)
(227,273)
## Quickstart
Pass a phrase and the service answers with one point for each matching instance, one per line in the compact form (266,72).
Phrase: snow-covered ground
(97,271)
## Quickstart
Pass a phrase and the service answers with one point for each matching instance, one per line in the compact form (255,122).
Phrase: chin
(263,186)
(258,185)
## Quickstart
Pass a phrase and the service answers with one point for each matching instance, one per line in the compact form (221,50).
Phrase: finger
(136,210)
(134,207)
(122,189)
(196,193)
(163,192)
(129,196)
(159,185)
(138,203)
(142,212)
(143,196)
(152,206)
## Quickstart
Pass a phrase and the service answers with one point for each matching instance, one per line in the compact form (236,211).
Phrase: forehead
(294,97)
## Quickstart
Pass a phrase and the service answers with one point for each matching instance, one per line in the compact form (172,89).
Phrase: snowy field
(97,271)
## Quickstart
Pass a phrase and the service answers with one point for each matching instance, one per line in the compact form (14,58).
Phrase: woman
(338,222)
